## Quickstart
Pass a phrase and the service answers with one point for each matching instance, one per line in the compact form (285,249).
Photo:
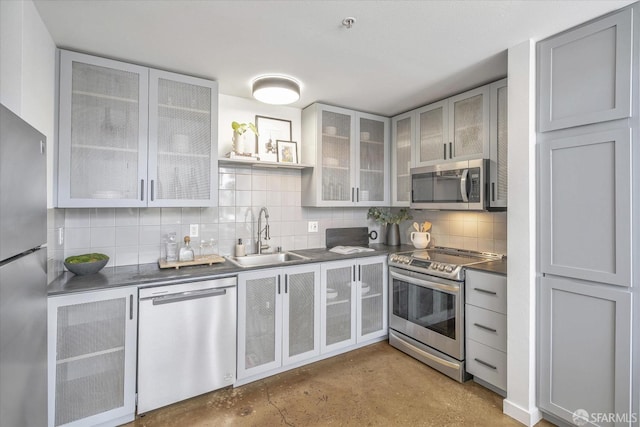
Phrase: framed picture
(287,151)
(269,131)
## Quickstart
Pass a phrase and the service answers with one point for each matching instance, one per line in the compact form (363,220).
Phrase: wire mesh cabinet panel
(183,116)
(402,141)
(498,146)
(92,357)
(432,135)
(301,313)
(259,322)
(469,125)
(338,305)
(372,186)
(102,132)
(372,298)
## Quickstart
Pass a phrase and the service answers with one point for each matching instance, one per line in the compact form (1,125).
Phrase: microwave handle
(463,186)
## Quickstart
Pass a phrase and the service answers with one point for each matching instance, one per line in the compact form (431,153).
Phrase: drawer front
(487,363)
(487,290)
(486,327)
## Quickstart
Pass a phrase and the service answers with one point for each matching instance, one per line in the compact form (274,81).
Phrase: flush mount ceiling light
(277,90)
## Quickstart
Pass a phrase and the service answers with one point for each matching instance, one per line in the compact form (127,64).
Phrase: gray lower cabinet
(353,302)
(278,319)
(486,328)
(585,350)
(92,339)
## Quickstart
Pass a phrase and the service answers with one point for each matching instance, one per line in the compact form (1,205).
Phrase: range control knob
(393,257)
(449,269)
(434,265)
(441,267)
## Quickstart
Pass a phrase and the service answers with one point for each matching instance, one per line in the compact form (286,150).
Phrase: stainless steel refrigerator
(23,273)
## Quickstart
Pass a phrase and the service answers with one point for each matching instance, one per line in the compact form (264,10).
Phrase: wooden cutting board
(199,260)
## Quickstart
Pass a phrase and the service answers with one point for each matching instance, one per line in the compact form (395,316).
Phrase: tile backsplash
(135,236)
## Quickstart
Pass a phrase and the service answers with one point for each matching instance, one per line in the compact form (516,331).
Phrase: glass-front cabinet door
(102,132)
(301,313)
(373,154)
(402,137)
(338,305)
(182,125)
(259,322)
(372,298)
(337,154)
(432,134)
(469,125)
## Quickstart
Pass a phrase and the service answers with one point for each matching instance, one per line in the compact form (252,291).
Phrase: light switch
(313,227)
(193,230)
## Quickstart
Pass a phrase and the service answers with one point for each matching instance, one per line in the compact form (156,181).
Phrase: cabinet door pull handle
(352,193)
(357,194)
(286,283)
(484,291)
(131,307)
(486,328)
(359,273)
(354,273)
(451,150)
(445,151)
(142,190)
(152,195)
(488,365)
(493,191)
(278,284)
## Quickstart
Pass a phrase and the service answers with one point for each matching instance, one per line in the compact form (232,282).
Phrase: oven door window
(430,308)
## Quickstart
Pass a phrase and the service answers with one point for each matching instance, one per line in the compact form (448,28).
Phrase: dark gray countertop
(151,275)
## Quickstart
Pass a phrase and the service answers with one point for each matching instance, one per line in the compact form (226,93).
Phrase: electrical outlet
(313,227)
(193,230)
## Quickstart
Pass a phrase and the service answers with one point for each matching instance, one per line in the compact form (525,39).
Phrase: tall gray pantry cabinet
(588,132)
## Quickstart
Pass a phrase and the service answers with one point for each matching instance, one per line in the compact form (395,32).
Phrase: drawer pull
(484,291)
(486,328)
(488,365)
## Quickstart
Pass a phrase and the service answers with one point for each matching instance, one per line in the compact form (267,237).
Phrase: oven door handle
(426,283)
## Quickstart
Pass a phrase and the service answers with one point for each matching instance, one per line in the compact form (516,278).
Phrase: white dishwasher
(186,341)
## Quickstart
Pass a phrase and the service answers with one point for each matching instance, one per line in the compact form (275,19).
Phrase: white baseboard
(528,418)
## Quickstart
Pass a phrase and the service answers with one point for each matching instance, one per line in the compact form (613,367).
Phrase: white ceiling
(398,55)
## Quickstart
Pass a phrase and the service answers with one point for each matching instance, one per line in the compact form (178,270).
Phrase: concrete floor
(374,386)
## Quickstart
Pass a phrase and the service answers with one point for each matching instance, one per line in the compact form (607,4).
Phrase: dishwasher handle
(189,295)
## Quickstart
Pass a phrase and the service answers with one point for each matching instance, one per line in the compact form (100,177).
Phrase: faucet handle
(279,249)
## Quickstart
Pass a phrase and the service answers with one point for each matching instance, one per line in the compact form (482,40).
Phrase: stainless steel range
(426,305)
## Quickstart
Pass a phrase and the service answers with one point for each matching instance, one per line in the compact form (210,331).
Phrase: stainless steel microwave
(454,186)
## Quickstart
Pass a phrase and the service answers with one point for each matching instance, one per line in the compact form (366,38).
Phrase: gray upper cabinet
(102,137)
(585,73)
(453,129)
(585,348)
(585,206)
(498,145)
(130,136)
(350,154)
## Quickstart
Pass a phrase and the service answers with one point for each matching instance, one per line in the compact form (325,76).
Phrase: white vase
(238,143)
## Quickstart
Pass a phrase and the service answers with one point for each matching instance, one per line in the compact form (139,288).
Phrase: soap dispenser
(186,252)
(240,249)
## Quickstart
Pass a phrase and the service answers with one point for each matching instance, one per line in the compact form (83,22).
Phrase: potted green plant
(238,135)
(391,221)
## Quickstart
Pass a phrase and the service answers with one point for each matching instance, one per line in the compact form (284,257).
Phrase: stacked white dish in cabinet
(486,329)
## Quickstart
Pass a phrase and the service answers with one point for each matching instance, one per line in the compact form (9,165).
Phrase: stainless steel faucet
(262,247)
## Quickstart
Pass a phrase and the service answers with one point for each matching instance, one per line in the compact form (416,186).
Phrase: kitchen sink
(265,259)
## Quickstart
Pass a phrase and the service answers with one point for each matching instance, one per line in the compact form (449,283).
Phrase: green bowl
(76,265)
